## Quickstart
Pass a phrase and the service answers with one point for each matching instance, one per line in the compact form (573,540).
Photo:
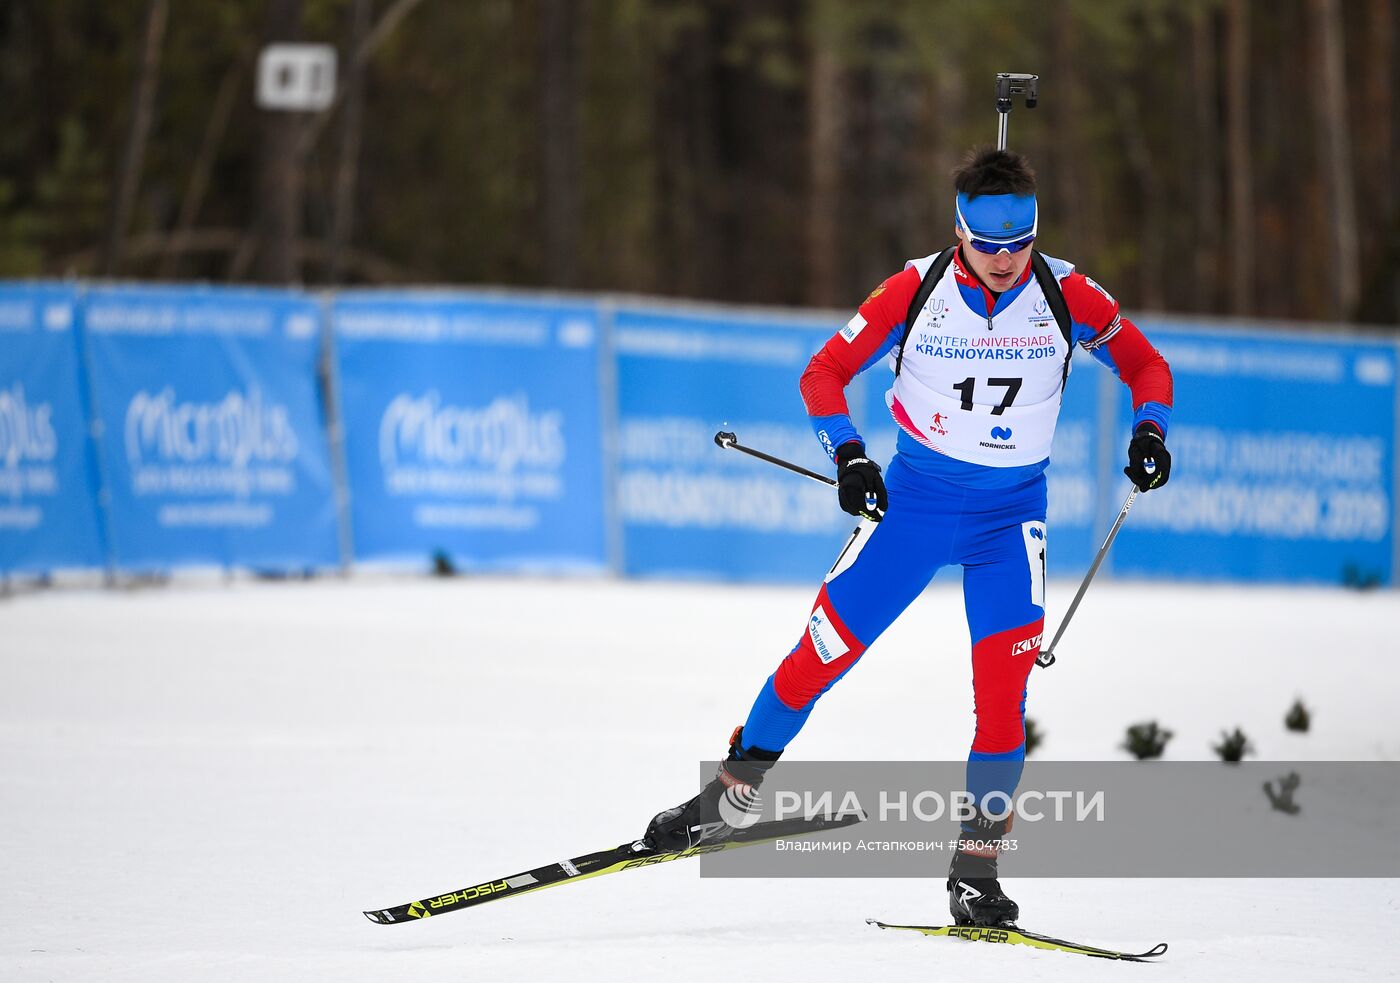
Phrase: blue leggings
(998,536)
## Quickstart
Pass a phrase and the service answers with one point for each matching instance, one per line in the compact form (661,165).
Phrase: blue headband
(998,218)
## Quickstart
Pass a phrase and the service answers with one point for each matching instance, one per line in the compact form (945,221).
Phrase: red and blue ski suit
(944,508)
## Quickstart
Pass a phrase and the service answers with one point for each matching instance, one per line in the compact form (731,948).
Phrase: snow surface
(210,782)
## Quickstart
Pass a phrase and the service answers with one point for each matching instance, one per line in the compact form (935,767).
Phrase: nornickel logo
(1001,433)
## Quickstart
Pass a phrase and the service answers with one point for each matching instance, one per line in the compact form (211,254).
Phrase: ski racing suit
(976,400)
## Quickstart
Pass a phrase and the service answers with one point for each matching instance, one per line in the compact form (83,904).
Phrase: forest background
(1195,156)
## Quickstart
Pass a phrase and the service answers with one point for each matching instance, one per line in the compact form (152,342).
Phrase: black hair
(994,172)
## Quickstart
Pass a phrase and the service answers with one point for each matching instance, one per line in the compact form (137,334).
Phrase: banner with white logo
(1283,461)
(212,431)
(48,486)
(473,429)
(480,428)
(689,508)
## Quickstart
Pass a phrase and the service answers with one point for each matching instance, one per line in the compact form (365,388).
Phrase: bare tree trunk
(1375,158)
(1334,153)
(559,131)
(1152,227)
(137,135)
(1072,184)
(826,111)
(1375,120)
(384,29)
(894,115)
(691,207)
(241,260)
(343,220)
(1206,162)
(948,113)
(193,200)
(1240,245)
(280,169)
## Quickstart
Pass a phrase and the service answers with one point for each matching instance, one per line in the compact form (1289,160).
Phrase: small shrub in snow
(1299,718)
(1146,740)
(1034,736)
(1233,746)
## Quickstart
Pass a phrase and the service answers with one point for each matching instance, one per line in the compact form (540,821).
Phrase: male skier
(976,394)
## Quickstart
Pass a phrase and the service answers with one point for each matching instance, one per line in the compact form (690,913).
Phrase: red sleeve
(848,351)
(1141,367)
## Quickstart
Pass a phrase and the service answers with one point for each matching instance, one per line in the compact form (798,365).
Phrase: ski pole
(731,441)
(1047,658)
(1013,84)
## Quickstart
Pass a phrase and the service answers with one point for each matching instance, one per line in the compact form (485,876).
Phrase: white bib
(985,392)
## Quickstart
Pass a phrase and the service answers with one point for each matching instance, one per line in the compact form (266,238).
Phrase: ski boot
(726,805)
(975,896)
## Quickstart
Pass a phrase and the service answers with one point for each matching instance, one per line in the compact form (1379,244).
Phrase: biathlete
(979,337)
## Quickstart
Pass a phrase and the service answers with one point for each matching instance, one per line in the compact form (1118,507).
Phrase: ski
(627,856)
(1018,936)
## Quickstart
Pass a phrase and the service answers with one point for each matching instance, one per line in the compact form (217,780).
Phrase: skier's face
(1000,271)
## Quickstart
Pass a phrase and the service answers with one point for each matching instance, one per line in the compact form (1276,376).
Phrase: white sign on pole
(297,77)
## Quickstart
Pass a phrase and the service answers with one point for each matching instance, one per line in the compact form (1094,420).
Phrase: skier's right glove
(1148,449)
(859,486)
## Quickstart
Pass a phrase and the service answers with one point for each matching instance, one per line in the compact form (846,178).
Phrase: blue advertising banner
(473,428)
(48,486)
(1282,461)
(689,508)
(213,438)
(1076,519)
(527,434)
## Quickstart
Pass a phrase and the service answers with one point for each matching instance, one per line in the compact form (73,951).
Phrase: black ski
(1012,935)
(624,857)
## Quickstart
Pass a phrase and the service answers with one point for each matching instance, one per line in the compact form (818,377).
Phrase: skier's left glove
(1149,464)
(859,487)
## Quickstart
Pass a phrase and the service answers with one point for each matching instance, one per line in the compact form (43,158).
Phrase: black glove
(859,486)
(1147,446)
